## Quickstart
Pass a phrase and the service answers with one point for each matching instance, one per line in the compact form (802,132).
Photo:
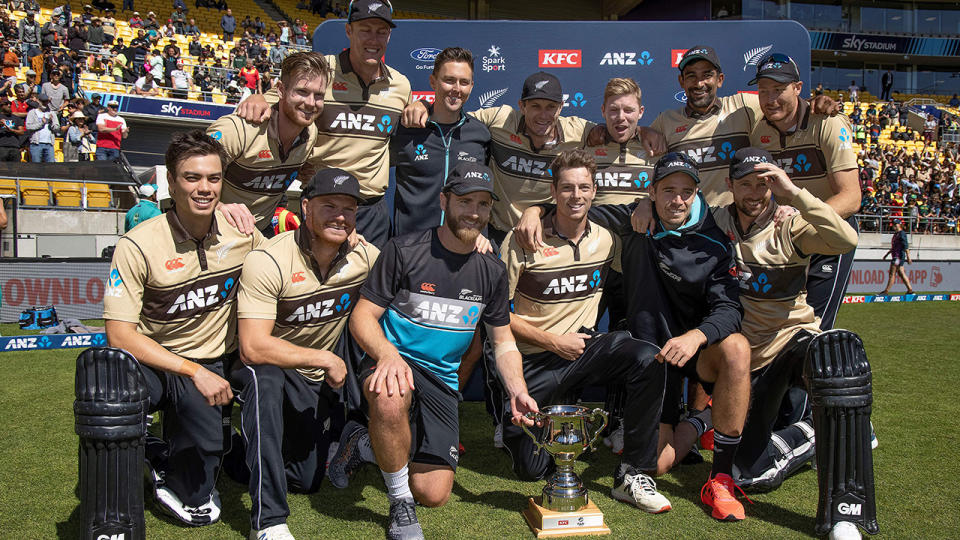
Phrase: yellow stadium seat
(8,186)
(35,192)
(67,193)
(99,196)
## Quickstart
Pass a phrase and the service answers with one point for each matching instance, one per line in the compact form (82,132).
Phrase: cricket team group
(718,242)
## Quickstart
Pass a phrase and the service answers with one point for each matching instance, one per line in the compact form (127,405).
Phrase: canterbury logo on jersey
(365,120)
(802,163)
(318,308)
(713,154)
(190,299)
(519,163)
(563,284)
(274,180)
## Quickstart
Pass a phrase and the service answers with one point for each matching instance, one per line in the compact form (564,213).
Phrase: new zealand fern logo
(487,99)
(753,56)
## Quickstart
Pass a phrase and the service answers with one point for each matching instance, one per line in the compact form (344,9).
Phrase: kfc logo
(428,97)
(559,58)
(675,56)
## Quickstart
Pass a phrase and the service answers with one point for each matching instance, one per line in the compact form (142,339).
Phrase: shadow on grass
(343,503)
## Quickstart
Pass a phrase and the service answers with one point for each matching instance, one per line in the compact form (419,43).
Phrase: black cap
(469,177)
(95,97)
(700,52)
(542,85)
(673,162)
(332,182)
(777,66)
(371,9)
(745,158)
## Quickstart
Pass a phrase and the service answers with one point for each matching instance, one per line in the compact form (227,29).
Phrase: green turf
(911,347)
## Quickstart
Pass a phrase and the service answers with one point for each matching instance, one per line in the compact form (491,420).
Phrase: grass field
(913,349)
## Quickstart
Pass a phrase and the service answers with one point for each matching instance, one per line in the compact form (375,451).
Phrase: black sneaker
(403,521)
(348,459)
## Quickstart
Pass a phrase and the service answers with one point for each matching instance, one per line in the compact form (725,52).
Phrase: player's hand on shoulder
(597,135)
(392,376)
(529,230)
(653,141)
(239,216)
(825,105)
(214,388)
(642,217)
(414,115)
(254,109)
(783,213)
(570,346)
(482,245)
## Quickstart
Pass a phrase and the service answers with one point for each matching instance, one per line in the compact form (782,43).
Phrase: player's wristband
(188,368)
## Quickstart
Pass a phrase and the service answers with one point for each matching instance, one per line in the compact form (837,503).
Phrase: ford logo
(680,96)
(426,54)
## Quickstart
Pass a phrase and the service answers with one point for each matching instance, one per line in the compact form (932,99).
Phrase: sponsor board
(869,277)
(52,341)
(893,298)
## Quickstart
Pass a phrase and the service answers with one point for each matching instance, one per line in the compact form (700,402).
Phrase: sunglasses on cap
(777,58)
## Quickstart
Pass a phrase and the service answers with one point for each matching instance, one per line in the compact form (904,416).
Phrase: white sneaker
(844,530)
(206,514)
(615,440)
(641,491)
(276,532)
(498,436)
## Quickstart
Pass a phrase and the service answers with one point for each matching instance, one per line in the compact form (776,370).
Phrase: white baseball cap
(147,190)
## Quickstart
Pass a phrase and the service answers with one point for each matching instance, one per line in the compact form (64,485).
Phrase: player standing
(296,292)
(416,317)
(899,252)
(555,329)
(263,160)
(362,107)
(171,302)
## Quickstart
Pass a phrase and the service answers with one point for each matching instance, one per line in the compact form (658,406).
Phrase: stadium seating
(68,194)
(99,196)
(8,187)
(35,192)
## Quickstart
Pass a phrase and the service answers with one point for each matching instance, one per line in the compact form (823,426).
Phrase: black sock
(724,449)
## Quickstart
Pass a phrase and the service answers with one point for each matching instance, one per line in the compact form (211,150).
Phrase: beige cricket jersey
(558,287)
(281,282)
(820,145)
(624,171)
(521,172)
(181,292)
(712,138)
(258,170)
(357,122)
(772,263)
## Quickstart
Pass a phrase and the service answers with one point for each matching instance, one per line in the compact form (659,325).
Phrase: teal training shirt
(144,210)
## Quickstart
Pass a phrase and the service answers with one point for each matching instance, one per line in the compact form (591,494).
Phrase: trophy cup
(565,509)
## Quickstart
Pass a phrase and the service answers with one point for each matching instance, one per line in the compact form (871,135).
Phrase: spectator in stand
(10,63)
(77,36)
(19,104)
(954,101)
(73,139)
(146,86)
(136,21)
(854,92)
(145,209)
(929,129)
(12,131)
(168,30)
(205,82)
(118,69)
(28,33)
(250,78)
(181,83)
(111,129)
(155,65)
(192,29)
(886,83)
(95,35)
(56,92)
(246,23)
(179,18)
(171,58)
(33,81)
(151,23)
(277,54)
(92,110)
(195,48)
(818,91)
(284,38)
(109,27)
(258,26)
(43,125)
(228,24)
(232,92)
(299,32)
(255,48)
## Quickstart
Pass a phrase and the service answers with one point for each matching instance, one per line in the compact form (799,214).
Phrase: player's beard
(465,233)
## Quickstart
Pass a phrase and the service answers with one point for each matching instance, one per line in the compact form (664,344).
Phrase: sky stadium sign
(866,43)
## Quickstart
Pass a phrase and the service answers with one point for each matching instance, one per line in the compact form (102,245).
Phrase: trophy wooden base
(544,523)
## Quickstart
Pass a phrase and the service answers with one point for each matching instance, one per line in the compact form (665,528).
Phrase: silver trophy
(567,432)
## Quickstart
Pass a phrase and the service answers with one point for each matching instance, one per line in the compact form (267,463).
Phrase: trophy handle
(604,418)
(536,417)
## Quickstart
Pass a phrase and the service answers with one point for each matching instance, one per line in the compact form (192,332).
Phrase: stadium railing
(882,219)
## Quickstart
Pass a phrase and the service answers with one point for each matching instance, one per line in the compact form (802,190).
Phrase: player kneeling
(296,293)
(786,342)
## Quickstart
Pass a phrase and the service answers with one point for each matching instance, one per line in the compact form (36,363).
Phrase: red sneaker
(718,494)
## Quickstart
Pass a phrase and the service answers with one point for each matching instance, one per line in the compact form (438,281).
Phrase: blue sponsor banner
(897,298)
(168,108)
(44,342)
(917,46)
(583,55)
